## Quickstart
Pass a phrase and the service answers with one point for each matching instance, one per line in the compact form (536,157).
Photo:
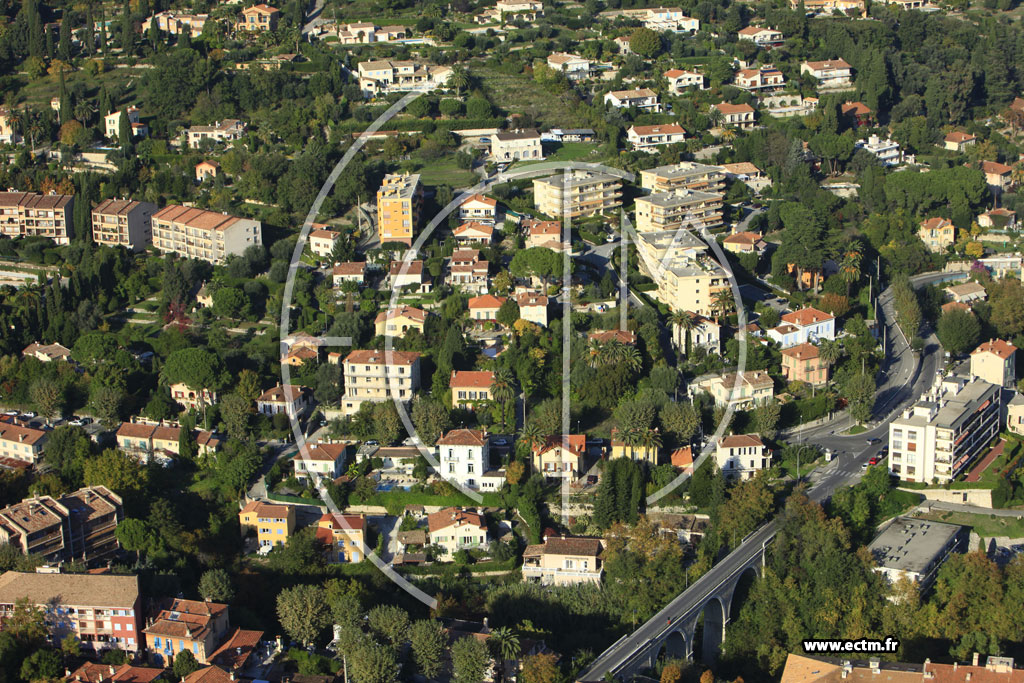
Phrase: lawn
(40,91)
(395,501)
(575,151)
(446,172)
(519,93)
(986,526)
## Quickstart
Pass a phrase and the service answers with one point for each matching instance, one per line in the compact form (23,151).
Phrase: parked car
(28,416)
(873,461)
(873,441)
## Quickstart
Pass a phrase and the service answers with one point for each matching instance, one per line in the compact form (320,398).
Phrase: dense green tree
(958,331)
(470,660)
(303,612)
(428,643)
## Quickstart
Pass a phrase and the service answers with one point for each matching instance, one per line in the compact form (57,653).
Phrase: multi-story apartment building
(220,131)
(204,235)
(689,284)
(738,115)
(937,233)
(562,561)
(686,175)
(29,214)
(387,76)
(755,387)
(102,611)
(643,99)
(516,145)
(762,79)
(21,442)
(77,526)
(806,325)
(760,35)
(589,193)
(649,138)
(271,524)
(193,625)
(950,425)
(680,80)
(830,73)
(994,362)
(464,455)
(454,529)
(741,456)
(678,208)
(259,18)
(123,223)
(377,376)
(343,536)
(399,200)
(470,388)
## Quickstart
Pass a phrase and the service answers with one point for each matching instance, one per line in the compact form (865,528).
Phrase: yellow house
(274,524)
(395,322)
(561,459)
(344,536)
(937,233)
(1015,414)
(994,362)
(620,449)
(193,625)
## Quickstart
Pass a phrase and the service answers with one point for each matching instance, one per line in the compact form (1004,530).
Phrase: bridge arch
(713,628)
(744,584)
(675,646)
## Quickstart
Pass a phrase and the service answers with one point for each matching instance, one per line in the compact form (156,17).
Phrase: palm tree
(686,322)
(505,644)
(849,269)
(595,352)
(829,351)
(722,303)
(458,79)
(631,357)
(503,390)
(729,134)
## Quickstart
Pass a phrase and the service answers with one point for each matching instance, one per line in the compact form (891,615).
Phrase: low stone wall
(978,497)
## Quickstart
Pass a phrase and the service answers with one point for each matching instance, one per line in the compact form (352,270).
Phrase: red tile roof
(621,336)
(682,457)
(463,437)
(235,651)
(807,316)
(266,510)
(665,129)
(374,357)
(471,379)
(415,314)
(958,137)
(442,519)
(487,301)
(805,351)
(740,441)
(999,347)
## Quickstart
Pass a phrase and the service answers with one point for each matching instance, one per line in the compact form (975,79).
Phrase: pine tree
(64,46)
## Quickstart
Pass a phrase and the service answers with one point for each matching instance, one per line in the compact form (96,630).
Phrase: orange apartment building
(399,200)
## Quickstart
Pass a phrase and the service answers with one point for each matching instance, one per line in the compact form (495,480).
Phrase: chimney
(974,661)
(112,669)
(67,672)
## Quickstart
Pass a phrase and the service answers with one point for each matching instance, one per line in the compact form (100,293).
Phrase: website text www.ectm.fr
(888,645)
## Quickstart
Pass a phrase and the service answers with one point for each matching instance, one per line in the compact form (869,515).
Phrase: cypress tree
(103,31)
(64,45)
(105,106)
(65,114)
(124,130)
(90,31)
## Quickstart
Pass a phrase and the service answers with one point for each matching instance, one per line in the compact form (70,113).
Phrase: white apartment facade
(516,145)
(589,193)
(643,99)
(387,76)
(463,456)
(375,376)
(220,131)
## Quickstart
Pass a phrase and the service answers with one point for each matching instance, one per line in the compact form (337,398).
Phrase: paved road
(313,18)
(905,379)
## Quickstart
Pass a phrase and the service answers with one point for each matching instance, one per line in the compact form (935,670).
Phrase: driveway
(388,527)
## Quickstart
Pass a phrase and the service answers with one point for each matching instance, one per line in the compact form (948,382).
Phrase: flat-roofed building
(123,223)
(381,77)
(204,235)
(102,611)
(589,193)
(686,175)
(949,427)
(377,376)
(399,201)
(562,561)
(678,208)
(830,73)
(29,214)
(914,549)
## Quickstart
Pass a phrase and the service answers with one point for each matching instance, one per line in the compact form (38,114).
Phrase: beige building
(259,18)
(1015,414)
(454,529)
(367,375)
(741,456)
(686,175)
(830,73)
(547,234)
(207,169)
(678,208)
(395,322)
(737,115)
(690,284)
(195,399)
(516,145)
(21,442)
(937,233)
(644,99)
(755,387)
(533,307)
(112,124)
(123,223)
(561,561)
(470,388)
(391,75)
(589,193)
(478,208)
(322,240)
(77,526)
(621,449)
(995,362)
(45,353)
(399,200)
(220,131)
(560,458)
(764,78)
(204,235)
(949,427)
(803,363)
(957,141)
(8,133)
(344,536)
(28,214)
